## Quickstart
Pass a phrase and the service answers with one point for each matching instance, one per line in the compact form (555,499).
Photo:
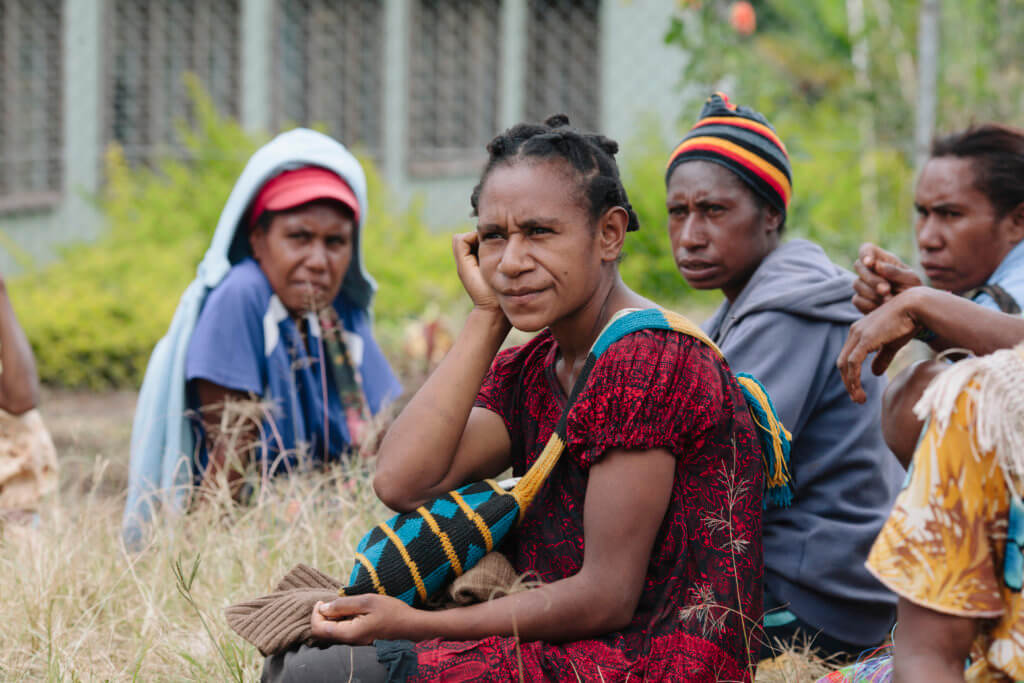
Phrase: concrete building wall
(34,234)
(638,84)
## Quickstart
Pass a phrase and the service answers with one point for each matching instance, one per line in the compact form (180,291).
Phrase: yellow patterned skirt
(28,461)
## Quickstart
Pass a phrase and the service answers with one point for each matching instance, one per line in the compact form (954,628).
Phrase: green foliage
(647,263)
(94,316)
(796,68)
(850,133)
(412,264)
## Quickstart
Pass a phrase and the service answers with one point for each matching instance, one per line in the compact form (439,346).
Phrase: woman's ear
(773,218)
(1015,219)
(611,232)
(258,241)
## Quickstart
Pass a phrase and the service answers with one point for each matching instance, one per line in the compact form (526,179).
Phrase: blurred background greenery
(841,80)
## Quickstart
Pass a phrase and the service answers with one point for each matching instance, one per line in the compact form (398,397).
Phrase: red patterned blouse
(652,389)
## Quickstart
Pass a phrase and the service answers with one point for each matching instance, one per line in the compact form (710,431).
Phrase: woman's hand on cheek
(466,245)
(361,619)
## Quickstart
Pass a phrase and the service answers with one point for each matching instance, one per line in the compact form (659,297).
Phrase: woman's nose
(316,259)
(690,233)
(929,236)
(515,258)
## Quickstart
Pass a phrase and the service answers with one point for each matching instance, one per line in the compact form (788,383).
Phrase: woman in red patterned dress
(646,537)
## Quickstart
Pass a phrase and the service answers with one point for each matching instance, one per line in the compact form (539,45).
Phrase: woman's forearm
(230,435)
(628,494)
(19,384)
(930,646)
(419,448)
(561,611)
(961,323)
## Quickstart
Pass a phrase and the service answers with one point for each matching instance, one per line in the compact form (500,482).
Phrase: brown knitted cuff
(281,620)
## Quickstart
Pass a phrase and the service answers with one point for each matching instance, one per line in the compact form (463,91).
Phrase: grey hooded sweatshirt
(786,328)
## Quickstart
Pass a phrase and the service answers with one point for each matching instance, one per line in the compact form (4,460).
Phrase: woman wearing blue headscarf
(279,312)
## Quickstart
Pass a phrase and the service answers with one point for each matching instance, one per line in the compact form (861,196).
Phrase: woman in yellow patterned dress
(952,547)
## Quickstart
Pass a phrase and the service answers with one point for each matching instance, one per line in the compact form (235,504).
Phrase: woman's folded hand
(361,619)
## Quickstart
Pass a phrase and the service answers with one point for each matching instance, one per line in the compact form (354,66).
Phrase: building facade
(418,85)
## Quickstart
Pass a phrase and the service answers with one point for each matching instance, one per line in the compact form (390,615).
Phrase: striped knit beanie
(743,141)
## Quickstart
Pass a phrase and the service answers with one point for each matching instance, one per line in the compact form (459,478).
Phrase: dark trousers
(783,629)
(386,661)
(325,665)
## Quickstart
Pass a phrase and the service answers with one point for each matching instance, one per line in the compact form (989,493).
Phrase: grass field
(77,607)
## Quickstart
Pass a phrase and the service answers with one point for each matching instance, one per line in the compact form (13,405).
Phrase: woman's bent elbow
(20,401)
(609,614)
(619,619)
(392,493)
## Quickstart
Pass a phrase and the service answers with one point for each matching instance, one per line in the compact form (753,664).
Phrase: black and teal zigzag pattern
(414,555)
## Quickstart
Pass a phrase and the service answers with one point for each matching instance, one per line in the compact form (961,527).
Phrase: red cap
(292,188)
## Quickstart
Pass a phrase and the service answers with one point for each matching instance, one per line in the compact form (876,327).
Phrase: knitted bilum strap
(412,556)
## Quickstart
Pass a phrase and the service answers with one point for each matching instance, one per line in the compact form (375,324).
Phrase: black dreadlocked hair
(590,154)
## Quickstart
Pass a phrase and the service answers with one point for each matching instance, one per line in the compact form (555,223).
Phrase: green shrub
(413,265)
(94,316)
(850,146)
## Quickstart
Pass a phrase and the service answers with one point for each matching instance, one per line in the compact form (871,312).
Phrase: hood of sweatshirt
(797,278)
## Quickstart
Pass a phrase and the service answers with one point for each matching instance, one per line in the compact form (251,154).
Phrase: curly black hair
(591,155)
(996,154)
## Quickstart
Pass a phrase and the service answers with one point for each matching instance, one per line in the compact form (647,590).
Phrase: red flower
(743,17)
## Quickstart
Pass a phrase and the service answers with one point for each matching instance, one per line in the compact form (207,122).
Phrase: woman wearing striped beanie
(786,314)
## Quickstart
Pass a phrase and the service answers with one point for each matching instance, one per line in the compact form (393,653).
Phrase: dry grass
(77,607)
(795,664)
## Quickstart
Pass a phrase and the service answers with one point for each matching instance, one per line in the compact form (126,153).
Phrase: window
(31,103)
(329,69)
(152,44)
(563,61)
(454,83)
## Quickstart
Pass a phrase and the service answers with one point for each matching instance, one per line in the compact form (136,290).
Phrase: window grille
(563,61)
(31,103)
(329,69)
(454,84)
(151,45)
